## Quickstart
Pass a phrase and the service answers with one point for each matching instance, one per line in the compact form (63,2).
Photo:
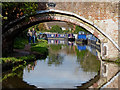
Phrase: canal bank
(12,66)
(67,66)
(28,54)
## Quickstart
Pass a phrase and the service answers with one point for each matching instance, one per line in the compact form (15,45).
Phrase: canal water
(67,65)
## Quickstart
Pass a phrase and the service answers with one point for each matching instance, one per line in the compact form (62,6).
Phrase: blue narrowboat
(81,38)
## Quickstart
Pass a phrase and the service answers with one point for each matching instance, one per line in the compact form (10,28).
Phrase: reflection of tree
(56,59)
(80,54)
(31,66)
(14,78)
(88,61)
(16,71)
(55,47)
(70,50)
(54,56)
(15,82)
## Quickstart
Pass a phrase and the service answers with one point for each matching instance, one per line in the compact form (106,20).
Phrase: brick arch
(55,15)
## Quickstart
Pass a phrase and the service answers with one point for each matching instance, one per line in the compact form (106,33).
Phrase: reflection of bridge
(103,23)
(106,78)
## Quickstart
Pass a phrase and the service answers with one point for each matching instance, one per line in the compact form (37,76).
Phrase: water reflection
(109,76)
(57,41)
(31,66)
(67,65)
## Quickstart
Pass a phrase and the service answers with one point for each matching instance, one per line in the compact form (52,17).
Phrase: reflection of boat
(70,37)
(81,47)
(55,41)
(70,43)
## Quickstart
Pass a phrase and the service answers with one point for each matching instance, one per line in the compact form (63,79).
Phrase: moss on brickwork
(118,61)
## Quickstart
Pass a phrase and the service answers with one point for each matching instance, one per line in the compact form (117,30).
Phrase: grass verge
(41,47)
(14,60)
(20,42)
(10,62)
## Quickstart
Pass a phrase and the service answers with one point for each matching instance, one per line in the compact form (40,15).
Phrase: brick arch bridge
(109,42)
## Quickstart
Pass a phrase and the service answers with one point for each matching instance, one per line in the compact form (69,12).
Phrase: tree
(78,28)
(41,27)
(66,31)
(56,29)
(14,10)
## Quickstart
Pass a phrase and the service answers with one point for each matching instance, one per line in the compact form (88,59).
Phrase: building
(63,25)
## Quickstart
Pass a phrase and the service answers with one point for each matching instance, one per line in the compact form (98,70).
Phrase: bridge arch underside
(11,32)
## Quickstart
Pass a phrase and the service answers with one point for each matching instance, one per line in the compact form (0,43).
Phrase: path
(22,52)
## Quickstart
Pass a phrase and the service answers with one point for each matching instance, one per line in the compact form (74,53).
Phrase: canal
(67,65)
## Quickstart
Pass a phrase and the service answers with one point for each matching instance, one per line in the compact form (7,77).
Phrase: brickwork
(109,76)
(104,15)
(112,75)
(114,83)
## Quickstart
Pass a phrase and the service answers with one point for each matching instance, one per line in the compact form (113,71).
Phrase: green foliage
(40,47)
(118,61)
(38,28)
(55,59)
(0,61)
(14,10)
(56,29)
(10,59)
(67,31)
(26,58)
(28,7)
(77,29)
(19,42)
(80,54)
(13,59)
(16,68)
(55,47)
(87,61)
(15,71)
(8,75)
(42,41)
(41,27)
